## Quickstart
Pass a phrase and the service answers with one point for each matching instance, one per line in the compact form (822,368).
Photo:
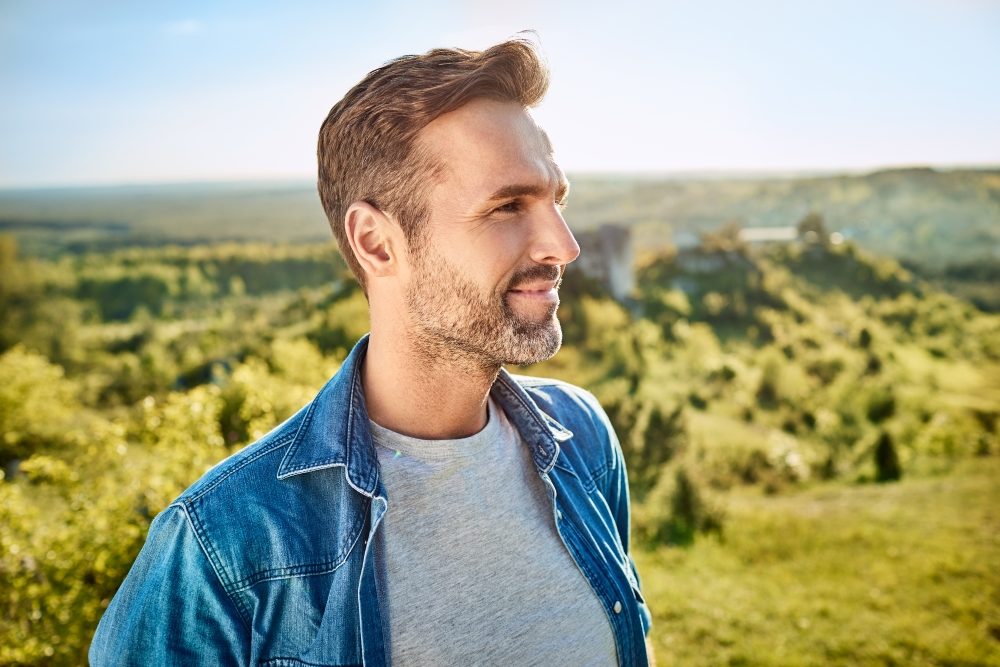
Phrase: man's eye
(509,207)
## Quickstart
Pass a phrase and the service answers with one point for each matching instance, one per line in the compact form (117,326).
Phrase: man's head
(368,145)
(450,213)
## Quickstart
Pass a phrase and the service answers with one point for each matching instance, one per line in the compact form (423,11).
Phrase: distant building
(606,255)
(685,240)
(759,235)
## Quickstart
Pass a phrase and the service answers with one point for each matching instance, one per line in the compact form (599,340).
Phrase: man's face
(484,277)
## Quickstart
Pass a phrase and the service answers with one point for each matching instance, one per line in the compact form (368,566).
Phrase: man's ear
(373,237)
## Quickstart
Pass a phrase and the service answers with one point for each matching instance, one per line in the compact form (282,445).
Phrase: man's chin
(540,344)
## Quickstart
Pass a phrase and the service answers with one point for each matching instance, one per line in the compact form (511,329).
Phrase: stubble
(454,321)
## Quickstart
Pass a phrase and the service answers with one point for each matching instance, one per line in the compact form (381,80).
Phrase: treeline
(975,281)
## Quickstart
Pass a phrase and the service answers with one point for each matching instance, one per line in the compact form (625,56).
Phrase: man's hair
(368,149)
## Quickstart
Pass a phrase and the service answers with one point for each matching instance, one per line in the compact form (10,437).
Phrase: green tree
(887,467)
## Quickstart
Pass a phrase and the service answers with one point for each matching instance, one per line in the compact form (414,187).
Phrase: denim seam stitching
(373,481)
(296,441)
(212,557)
(566,469)
(600,472)
(588,484)
(530,381)
(531,413)
(281,442)
(305,569)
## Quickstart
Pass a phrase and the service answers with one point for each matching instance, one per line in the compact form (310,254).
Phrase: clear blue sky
(119,92)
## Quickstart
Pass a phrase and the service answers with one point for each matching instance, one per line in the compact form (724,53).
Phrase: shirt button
(618,607)
(559,515)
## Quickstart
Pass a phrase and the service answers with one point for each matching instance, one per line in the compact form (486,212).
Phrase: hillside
(932,217)
(781,374)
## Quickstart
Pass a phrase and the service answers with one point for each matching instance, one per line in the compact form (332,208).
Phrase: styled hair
(368,148)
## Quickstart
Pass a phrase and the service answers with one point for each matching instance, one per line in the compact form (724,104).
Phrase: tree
(887,467)
(812,230)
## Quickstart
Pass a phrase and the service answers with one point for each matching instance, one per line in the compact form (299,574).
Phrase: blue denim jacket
(273,557)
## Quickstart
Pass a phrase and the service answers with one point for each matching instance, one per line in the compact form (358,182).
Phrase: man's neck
(413,391)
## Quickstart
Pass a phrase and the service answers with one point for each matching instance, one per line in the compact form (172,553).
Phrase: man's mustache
(537,272)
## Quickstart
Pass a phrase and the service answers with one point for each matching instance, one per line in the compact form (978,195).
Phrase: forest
(811,430)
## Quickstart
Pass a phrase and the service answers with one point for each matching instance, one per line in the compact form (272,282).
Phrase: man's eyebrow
(526,190)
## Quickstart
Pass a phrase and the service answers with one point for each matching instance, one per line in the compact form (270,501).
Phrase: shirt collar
(334,430)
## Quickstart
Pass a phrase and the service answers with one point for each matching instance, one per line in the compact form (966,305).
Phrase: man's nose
(554,243)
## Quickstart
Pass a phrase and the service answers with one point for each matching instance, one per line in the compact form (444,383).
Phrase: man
(427,508)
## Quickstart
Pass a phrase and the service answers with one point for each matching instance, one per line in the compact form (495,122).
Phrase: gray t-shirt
(475,570)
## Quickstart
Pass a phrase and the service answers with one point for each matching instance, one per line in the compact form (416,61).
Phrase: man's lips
(537,292)
(535,286)
(539,285)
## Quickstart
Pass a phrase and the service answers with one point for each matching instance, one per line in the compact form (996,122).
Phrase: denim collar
(334,430)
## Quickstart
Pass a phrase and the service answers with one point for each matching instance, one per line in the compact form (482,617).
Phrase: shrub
(887,467)
(864,339)
(651,435)
(683,511)
(38,405)
(881,405)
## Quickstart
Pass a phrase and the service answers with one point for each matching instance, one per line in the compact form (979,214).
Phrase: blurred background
(787,300)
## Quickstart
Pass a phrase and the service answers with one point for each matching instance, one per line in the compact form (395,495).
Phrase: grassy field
(906,573)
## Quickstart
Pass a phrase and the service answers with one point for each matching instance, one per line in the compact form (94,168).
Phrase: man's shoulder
(259,459)
(254,524)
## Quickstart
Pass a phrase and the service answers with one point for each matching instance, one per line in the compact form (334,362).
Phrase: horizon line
(680,174)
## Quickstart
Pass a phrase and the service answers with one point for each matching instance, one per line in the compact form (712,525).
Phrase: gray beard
(453,322)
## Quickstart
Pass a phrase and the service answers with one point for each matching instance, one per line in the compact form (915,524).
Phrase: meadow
(900,574)
(811,430)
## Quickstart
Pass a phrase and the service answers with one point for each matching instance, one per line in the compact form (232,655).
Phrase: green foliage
(690,512)
(749,380)
(812,230)
(38,407)
(881,405)
(120,296)
(19,292)
(651,435)
(341,324)
(864,339)
(254,400)
(887,467)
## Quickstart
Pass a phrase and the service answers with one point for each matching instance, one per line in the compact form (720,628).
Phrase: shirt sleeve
(171,609)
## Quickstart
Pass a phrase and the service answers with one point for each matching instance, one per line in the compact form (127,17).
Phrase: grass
(898,574)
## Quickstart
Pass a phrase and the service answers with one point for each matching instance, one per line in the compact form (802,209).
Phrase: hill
(932,217)
(788,418)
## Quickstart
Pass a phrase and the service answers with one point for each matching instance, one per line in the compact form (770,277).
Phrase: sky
(121,92)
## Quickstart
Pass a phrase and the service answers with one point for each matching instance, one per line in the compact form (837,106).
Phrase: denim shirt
(274,556)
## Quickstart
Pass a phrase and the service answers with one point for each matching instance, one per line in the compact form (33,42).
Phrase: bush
(881,405)
(887,467)
(38,406)
(678,511)
(651,436)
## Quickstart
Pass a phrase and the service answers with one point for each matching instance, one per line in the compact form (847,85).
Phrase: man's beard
(453,320)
